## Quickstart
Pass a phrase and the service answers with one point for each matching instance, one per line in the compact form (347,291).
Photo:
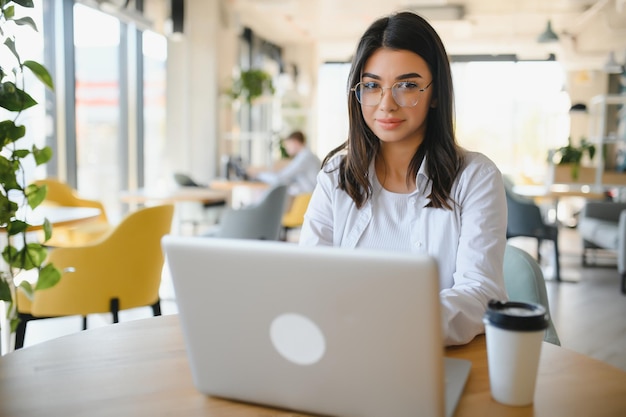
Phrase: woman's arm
(480,253)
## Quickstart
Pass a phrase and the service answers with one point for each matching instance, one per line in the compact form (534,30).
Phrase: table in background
(57,216)
(556,192)
(140,368)
(190,203)
(241,192)
(175,195)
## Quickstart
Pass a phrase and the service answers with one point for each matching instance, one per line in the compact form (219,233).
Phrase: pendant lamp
(548,35)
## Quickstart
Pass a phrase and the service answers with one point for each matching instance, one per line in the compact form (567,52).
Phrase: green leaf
(26,21)
(28,289)
(5,291)
(24,3)
(35,194)
(9,254)
(9,43)
(14,99)
(21,153)
(42,155)
(7,209)
(9,12)
(49,276)
(29,257)
(40,72)
(14,323)
(17,226)
(7,173)
(9,131)
(591,150)
(47,229)
(36,253)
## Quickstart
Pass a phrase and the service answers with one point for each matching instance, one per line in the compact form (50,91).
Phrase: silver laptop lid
(325,330)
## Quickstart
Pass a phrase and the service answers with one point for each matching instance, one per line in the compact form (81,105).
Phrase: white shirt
(468,241)
(300,175)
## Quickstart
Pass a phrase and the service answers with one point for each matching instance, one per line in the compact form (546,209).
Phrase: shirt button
(418,244)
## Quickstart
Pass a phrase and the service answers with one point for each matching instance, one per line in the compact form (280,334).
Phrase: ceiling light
(612,66)
(548,35)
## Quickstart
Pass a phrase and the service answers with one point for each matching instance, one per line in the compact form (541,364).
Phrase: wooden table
(64,216)
(176,195)
(58,216)
(557,191)
(140,368)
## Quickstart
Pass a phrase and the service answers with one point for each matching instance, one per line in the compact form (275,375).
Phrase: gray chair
(257,221)
(525,219)
(524,282)
(602,225)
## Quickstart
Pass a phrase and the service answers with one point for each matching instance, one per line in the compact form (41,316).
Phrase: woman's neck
(392,166)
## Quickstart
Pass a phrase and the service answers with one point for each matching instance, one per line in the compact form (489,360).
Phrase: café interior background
(142,85)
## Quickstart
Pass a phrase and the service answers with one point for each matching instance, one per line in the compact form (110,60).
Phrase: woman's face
(391,122)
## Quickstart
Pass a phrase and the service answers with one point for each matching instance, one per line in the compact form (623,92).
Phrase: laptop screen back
(323,330)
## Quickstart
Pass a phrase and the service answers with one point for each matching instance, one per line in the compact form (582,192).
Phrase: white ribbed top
(390,225)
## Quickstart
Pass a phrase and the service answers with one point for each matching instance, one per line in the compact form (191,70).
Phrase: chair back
(127,264)
(60,193)
(523,215)
(524,282)
(257,221)
(295,216)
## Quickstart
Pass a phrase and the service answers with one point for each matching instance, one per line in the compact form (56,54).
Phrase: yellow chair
(119,272)
(61,194)
(294,217)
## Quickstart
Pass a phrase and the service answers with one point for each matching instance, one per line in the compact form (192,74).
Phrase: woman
(400,182)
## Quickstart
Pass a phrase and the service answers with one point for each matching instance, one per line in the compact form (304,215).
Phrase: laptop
(328,331)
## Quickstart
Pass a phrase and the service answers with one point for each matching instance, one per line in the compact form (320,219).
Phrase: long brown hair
(403,31)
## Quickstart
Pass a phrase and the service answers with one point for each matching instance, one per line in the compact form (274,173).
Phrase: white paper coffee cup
(514,333)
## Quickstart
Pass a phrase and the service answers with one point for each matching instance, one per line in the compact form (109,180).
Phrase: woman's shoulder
(334,161)
(476,160)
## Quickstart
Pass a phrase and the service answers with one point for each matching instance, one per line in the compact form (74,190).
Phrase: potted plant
(573,155)
(19,251)
(252,84)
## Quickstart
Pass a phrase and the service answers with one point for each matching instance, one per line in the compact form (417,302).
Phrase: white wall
(197,67)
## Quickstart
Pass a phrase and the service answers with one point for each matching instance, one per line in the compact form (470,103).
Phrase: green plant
(573,155)
(251,84)
(19,251)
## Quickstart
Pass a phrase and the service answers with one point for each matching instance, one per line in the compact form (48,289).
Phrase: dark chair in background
(525,219)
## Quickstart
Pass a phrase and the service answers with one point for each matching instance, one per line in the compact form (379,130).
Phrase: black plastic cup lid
(518,316)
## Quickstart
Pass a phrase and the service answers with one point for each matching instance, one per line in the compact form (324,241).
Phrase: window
(99,149)
(511,111)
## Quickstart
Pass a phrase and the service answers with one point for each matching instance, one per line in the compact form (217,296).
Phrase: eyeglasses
(405,93)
